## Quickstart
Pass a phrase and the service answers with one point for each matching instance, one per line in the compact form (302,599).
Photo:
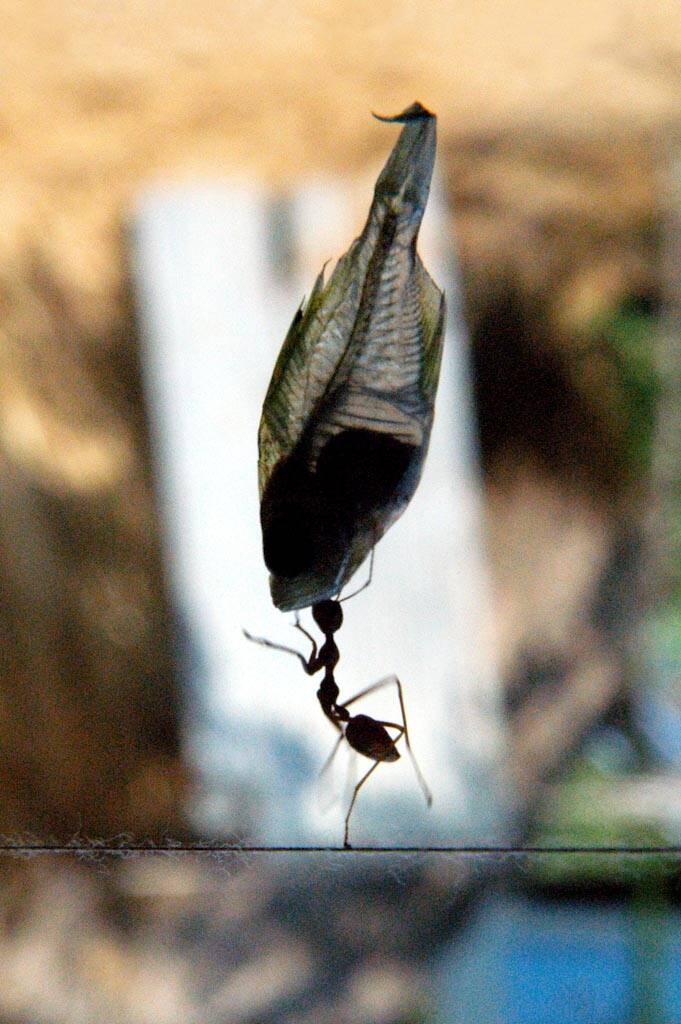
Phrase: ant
(366,735)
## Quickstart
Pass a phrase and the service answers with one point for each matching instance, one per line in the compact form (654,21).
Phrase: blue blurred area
(535,961)
(660,719)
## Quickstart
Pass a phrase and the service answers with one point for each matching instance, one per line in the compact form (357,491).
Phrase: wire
(466,851)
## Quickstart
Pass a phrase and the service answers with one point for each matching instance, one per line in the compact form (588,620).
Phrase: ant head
(328,615)
(369,737)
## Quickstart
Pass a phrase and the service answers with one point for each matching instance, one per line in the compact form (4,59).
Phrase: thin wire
(469,851)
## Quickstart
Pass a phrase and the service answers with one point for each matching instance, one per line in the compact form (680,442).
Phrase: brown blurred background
(556,127)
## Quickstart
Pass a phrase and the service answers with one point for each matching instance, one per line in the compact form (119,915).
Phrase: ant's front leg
(313,663)
(309,665)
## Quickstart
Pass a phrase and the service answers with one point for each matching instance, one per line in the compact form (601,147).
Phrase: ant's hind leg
(346,841)
(327,764)
(428,796)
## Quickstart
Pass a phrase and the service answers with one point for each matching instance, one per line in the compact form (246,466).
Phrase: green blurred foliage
(625,337)
(584,811)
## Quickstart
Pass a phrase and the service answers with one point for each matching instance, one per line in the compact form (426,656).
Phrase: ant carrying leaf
(346,424)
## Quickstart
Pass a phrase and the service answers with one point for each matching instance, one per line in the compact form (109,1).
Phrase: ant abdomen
(369,737)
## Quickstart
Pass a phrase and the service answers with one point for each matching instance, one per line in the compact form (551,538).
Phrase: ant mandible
(368,736)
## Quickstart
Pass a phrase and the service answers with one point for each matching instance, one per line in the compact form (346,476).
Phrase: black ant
(366,735)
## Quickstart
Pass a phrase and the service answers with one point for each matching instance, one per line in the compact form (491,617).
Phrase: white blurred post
(220,271)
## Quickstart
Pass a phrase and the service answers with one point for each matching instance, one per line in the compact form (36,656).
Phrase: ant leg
(278,647)
(366,582)
(313,654)
(346,841)
(327,764)
(428,796)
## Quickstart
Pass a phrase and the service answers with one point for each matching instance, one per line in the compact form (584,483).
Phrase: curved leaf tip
(416,112)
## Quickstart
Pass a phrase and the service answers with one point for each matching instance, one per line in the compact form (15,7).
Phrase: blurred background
(559,167)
